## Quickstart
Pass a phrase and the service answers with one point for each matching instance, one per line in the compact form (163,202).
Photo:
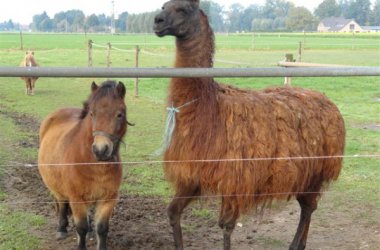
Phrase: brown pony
(29,61)
(217,123)
(79,159)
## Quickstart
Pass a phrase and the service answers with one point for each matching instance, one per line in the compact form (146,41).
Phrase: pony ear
(121,89)
(94,86)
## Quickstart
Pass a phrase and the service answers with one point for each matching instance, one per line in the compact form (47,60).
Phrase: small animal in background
(29,61)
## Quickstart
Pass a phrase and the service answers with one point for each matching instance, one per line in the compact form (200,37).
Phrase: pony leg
(90,233)
(227,220)
(29,86)
(308,204)
(80,218)
(102,215)
(26,80)
(32,85)
(63,222)
(175,209)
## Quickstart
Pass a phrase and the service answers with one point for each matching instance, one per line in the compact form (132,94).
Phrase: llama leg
(308,204)
(175,209)
(102,215)
(227,221)
(80,218)
(63,222)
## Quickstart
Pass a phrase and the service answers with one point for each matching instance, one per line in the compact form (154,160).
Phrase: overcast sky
(22,11)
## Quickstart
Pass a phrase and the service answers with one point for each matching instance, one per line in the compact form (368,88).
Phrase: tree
(328,8)
(234,15)
(42,22)
(121,22)
(359,10)
(9,25)
(344,6)
(301,19)
(276,8)
(214,11)
(251,12)
(375,14)
(92,22)
(78,22)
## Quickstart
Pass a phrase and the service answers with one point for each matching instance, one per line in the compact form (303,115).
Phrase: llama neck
(196,52)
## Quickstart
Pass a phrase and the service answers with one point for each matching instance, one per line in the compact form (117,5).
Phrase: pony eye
(120,115)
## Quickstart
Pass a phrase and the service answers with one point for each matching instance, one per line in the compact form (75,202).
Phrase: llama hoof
(61,235)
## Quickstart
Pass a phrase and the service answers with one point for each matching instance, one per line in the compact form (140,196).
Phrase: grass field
(358,98)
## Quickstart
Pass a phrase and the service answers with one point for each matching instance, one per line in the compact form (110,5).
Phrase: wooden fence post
(21,41)
(137,65)
(300,52)
(109,55)
(89,47)
(288,58)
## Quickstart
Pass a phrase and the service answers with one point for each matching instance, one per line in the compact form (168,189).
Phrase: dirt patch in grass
(141,222)
(374,127)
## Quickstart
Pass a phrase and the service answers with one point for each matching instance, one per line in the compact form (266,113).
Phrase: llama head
(179,18)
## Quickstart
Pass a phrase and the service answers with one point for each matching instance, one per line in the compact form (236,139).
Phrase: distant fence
(291,62)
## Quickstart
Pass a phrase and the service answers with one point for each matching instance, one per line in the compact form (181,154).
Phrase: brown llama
(30,82)
(216,121)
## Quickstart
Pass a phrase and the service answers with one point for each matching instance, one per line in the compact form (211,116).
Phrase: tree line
(274,15)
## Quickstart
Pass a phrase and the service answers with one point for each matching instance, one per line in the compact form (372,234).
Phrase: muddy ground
(141,222)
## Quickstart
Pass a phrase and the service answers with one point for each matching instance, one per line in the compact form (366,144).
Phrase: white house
(339,24)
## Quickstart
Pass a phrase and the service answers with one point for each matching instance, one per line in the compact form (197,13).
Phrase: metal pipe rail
(103,72)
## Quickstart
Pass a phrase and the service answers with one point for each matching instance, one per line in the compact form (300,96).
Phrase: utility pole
(113,17)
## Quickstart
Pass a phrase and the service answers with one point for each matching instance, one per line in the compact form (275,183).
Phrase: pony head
(179,18)
(29,59)
(108,113)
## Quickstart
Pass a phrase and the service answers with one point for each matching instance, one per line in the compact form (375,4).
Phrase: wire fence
(203,196)
(298,158)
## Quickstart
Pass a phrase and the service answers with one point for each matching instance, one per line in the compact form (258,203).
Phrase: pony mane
(107,88)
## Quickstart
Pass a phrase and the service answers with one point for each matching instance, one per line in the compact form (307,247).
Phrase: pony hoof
(90,235)
(61,235)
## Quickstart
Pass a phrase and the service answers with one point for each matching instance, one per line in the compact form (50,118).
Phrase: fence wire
(15,164)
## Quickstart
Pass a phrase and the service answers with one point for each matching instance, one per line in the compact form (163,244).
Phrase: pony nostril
(94,149)
(100,152)
(105,150)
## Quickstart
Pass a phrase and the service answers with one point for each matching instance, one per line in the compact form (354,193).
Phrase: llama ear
(94,86)
(121,89)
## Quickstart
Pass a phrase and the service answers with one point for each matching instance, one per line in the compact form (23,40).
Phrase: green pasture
(358,98)
(253,41)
